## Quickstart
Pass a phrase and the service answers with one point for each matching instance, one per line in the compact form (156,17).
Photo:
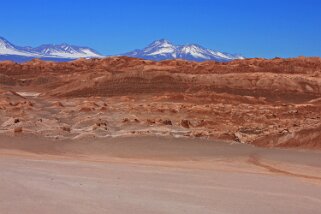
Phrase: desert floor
(154,175)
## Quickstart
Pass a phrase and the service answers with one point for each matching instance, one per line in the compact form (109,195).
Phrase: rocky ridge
(262,102)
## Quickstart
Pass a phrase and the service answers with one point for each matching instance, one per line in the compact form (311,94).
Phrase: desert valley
(187,137)
(160,107)
(269,103)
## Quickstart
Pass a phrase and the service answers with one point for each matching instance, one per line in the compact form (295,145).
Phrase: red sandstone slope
(293,78)
(265,102)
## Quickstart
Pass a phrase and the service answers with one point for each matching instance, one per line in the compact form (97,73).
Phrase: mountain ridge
(158,50)
(163,49)
(53,52)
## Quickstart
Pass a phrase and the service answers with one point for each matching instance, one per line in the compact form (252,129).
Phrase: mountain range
(62,52)
(164,50)
(158,50)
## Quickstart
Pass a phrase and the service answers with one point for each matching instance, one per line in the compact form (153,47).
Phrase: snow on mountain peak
(192,49)
(63,51)
(7,48)
(161,43)
(163,49)
(160,47)
(66,51)
(4,44)
(195,51)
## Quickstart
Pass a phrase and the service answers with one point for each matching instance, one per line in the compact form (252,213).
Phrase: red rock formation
(265,102)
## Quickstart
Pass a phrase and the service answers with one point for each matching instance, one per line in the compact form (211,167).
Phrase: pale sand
(154,175)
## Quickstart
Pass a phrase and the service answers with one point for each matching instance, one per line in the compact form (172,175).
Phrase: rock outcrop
(263,102)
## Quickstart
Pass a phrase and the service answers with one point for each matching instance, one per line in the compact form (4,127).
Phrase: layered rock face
(263,102)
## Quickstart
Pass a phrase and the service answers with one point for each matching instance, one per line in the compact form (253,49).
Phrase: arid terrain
(125,135)
(272,103)
(155,175)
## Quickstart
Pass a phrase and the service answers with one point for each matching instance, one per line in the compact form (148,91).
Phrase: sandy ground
(155,175)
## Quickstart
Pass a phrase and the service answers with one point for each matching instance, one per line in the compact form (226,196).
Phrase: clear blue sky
(254,28)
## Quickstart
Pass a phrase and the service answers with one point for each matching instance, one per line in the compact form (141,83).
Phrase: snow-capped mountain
(63,52)
(164,49)
(66,51)
(7,48)
(158,50)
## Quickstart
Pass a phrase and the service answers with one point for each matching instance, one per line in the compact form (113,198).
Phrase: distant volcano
(163,49)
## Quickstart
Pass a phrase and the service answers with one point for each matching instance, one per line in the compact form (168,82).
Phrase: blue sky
(254,28)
